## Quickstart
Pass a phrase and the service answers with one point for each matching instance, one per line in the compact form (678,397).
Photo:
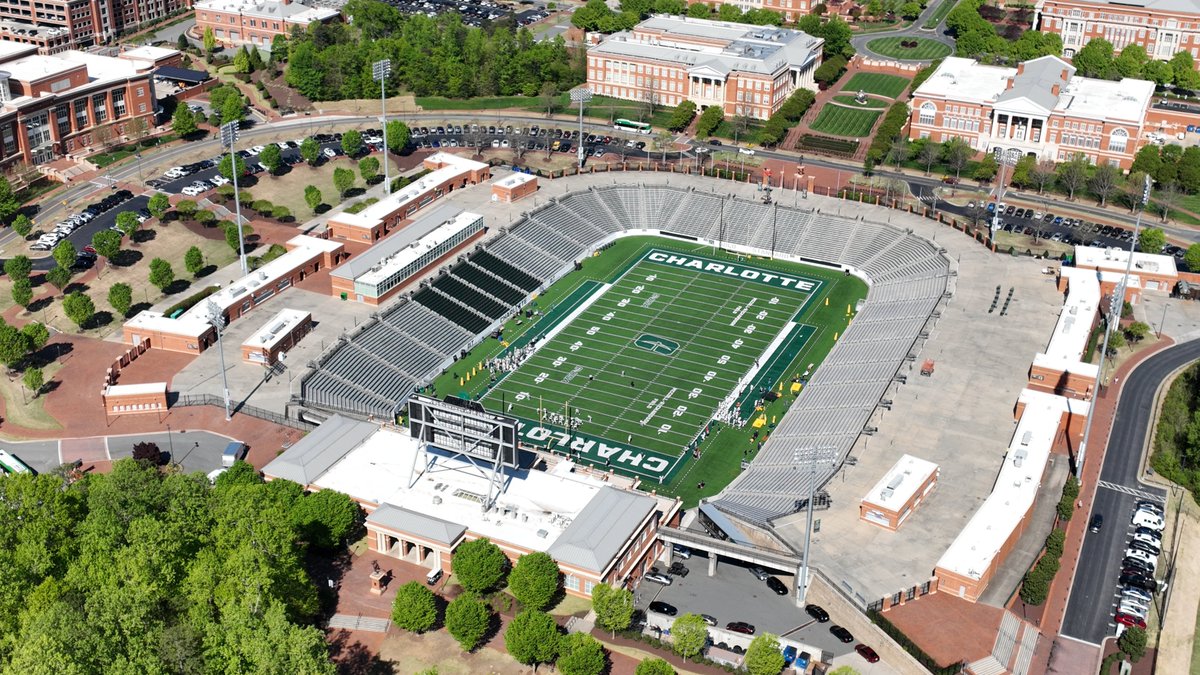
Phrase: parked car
(663,608)
(1153,534)
(1129,620)
(1143,582)
(740,627)
(758,572)
(841,633)
(867,653)
(1134,592)
(709,619)
(658,578)
(1097,523)
(1144,519)
(329,153)
(777,586)
(682,551)
(817,612)
(1139,554)
(1149,548)
(678,569)
(1152,507)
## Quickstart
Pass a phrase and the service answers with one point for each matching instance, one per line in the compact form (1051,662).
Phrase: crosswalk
(1140,494)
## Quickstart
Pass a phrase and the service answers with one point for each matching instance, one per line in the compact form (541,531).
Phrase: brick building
(596,531)
(52,105)
(256,22)
(275,339)
(1163,27)
(899,492)
(748,70)
(513,187)
(1040,108)
(57,25)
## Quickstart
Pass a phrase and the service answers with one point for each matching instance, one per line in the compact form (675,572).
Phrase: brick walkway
(1056,604)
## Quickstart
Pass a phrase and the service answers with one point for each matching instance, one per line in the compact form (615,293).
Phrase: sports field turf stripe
(777,365)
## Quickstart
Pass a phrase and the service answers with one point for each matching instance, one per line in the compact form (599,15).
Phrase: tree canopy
(689,632)
(414,608)
(468,619)
(532,637)
(614,606)
(580,654)
(479,565)
(534,580)
(764,656)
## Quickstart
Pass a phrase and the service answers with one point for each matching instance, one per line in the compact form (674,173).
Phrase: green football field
(645,364)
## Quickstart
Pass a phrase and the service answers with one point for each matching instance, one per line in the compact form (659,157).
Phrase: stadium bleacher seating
(374,371)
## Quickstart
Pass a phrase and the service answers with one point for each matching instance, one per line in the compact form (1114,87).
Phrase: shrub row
(655,643)
(787,116)
(191,300)
(891,126)
(1036,584)
(1066,503)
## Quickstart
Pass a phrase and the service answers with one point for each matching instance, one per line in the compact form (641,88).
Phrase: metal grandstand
(373,371)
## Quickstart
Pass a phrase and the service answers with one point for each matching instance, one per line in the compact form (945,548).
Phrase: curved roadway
(1094,591)
(937,34)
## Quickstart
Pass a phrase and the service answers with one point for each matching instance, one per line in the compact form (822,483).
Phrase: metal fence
(253,411)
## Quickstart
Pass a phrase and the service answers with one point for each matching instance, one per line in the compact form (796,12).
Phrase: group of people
(511,360)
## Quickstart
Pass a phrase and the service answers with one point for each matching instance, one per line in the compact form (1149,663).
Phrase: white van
(1145,519)
(433,577)
(233,452)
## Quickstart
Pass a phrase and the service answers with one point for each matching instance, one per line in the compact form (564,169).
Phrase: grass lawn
(842,121)
(883,84)
(288,189)
(926,50)
(1024,242)
(869,103)
(685,342)
(168,242)
(940,14)
(601,108)
(20,408)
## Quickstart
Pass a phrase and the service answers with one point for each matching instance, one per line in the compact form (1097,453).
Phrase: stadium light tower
(1114,310)
(1005,158)
(581,95)
(217,320)
(380,70)
(229,136)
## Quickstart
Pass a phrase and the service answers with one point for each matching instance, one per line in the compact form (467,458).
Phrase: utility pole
(581,95)
(380,70)
(1004,158)
(229,136)
(217,320)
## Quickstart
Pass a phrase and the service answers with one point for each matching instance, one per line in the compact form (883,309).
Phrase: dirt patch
(288,189)
(1177,640)
(411,653)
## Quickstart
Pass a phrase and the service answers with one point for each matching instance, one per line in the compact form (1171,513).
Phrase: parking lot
(82,235)
(734,594)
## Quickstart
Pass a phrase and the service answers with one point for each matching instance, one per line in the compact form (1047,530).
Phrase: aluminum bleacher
(374,371)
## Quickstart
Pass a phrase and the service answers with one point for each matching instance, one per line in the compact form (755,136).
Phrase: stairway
(367,623)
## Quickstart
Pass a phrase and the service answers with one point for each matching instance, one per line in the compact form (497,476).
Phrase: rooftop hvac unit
(542,534)
(437,500)
(895,482)
(1026,438)
(886,493)
(1019,458)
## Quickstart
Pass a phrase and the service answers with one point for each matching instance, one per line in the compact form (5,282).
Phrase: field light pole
(581,95)
(229,136)
(217,320)
(1114,310)
(380,70)
(1004,158)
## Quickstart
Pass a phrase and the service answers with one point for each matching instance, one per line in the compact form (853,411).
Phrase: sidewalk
(1055,608)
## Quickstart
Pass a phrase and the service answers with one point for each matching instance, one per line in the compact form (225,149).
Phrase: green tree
(414,608)
(310,151)
(34,380)
(279,48)
(1152,240)
(763,656)
(582,654)
(479,565)
(327,518)
(689,633)
(682,116)
(1095,59)
(343,180)
(232,109)
(1133,643)
(352,143)
(58,277)
(9,204)
(614,606)
(1183,70)
(1158,72)
(193,260)
(1192,257)
(14,346)
(397,136)
(655,666)
(183,123)
(1132,59)
(37,335)
(368,167)
(232,237)
(534,580)
(186,209)
(79,308)
(956,153)
(22,225)
(312,197)
(271,157)
(699,11)
(225,168)
(843,670)
(158,205)
(241,61)
(65,253)
(532,637)
(209,40)
(127,221)
(910,10)
(468,620)
(18,267)
(107,244)
(120,297)
(161,274)
(1137,331)
(22,291)
(1022,171)
(709,120)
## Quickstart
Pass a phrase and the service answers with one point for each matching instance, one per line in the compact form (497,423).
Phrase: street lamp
(1004,158)
(380,70)
(217,320)
(581,95)
(229,136)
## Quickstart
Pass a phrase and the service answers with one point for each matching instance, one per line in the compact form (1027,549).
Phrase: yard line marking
(743,312)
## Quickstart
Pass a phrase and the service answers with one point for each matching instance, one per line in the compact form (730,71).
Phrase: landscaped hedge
(891,126)
(1066,503)
(909,646)
(1035,587)
(190,301)
(786,117)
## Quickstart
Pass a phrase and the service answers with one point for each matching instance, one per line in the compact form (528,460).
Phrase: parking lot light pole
(581,95)
(380,70)
(229,136)
(1004,158)
(217,320)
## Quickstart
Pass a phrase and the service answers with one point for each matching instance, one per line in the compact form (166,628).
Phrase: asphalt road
(1094,590)
(83,236)
(194,450)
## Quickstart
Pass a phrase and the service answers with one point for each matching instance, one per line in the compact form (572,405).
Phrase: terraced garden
(839,120)
(883,84)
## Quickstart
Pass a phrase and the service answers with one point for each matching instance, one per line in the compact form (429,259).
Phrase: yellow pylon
(460,382)
(835,336)
(826,302)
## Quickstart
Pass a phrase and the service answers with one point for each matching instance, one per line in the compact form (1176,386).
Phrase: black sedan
(663,608)
(841,633)
(817,612)
(776,585)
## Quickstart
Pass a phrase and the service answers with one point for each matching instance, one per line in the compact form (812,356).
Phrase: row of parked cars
(60,231)
(1028,221)
(1137,583)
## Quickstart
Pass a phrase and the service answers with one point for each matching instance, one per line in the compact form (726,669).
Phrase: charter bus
(10,464)
(630,125)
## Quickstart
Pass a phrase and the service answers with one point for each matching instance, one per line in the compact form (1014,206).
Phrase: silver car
(658,578)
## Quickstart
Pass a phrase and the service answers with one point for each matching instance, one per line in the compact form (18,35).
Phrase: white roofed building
(748,70)
(256,22)
(1040,108)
